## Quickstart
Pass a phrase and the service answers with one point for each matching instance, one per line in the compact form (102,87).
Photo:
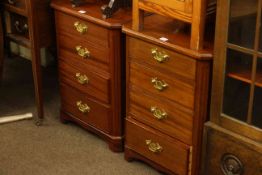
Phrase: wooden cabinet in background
(1,45)
(91,59)
(29,23)
(193,12)
(234,134)
(167,87)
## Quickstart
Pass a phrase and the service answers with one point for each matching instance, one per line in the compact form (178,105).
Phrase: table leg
(1,47)
(36,60)
(37,75)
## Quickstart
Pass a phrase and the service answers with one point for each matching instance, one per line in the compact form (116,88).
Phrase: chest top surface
(157,27)
(92,13)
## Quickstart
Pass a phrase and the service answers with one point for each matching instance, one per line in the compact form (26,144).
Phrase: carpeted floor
(54,148)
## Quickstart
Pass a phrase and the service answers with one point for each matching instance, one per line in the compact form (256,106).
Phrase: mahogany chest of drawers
(90,51)
(167,92)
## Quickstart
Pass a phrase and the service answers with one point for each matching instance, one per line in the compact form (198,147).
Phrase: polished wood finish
(189,11)
(100,87)
(81,2)
(95,34)
(222,141)
(98,116)
(176,90)
(179,43)
(140,51)
(93,14)
(175,155)
(225,134)
(38,16)
(183,101)
(179,120)
(96,85)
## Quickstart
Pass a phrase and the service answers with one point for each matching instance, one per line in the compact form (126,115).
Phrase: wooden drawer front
(176,90)
(70,43)
(94,34)
(17,3)
(226,148)
(177,123)
(170,153)
(98,116)
(182,66)
(87,82)
(19,25)
(176,5)
(73,59)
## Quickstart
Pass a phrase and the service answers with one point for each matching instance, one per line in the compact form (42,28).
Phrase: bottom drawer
(230,154)
(84,109)
(159,148)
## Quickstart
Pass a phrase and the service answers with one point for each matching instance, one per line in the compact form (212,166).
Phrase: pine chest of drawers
(167,89)
(90,55)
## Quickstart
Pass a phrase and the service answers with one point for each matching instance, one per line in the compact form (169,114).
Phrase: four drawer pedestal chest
(167,93)
(90,53)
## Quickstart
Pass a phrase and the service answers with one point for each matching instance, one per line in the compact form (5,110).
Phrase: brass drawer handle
(158,84)
(154,147)
(80,27)
(231,165)
(21,29)
(83,52)
(158,113)
(82,79)
(159,56)
(84,108)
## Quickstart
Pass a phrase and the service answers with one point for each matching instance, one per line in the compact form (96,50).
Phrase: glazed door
(237,102)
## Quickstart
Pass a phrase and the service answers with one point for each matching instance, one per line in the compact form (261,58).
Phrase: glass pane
(242,22)
(257,109)
(237,84)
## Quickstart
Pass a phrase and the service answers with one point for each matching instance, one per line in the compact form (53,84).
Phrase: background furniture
(1,45)
(108,9)
(113,5)
(234,134)
(90,51)
(167,91)
(193,12)
(29,23)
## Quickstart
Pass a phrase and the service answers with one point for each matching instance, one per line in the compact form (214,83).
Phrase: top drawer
(86,30)
(161,59)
